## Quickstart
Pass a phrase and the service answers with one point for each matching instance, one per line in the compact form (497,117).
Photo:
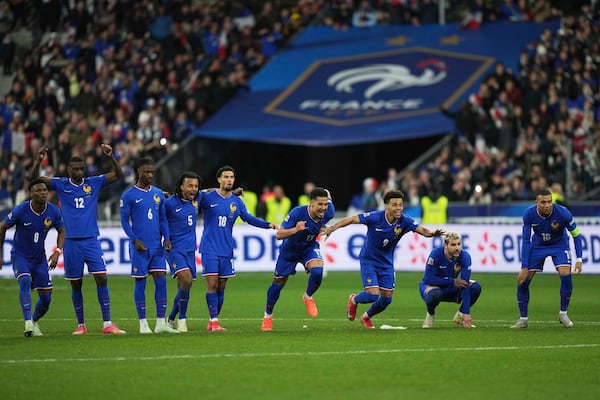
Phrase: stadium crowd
(142,75)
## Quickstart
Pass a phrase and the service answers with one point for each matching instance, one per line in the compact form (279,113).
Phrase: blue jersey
(182,216)
(32,229)
(79,204)
(293,247)
(440,271)
(383,236)
(143,216)
(548,232)
(219,216)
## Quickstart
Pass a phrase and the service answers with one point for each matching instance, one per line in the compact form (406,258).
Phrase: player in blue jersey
(545,227)
(144,220)
(448,278)
(78,196)
(385,228)
(182,214)
(33,219)
(299,232)
(221,208)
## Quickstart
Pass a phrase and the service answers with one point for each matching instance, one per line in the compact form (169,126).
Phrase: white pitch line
(297,354)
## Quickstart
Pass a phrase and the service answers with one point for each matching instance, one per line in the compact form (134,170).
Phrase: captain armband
(575,232)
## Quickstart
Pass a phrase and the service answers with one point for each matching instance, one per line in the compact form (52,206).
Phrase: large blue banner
(368,85)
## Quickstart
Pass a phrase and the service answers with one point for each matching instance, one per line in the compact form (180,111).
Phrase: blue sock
(315,277)
(25,296)
(104,300)
(139,296)
(523,298)
(42,306)
(566,288)
(160,296)
(220,300)
(184,298)
(77,299)
(365,298)
(432,299)
(380,305)
(272,296)
(175,308)
(213,305)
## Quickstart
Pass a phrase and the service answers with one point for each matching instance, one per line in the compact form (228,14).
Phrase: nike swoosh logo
(138,200)
(178,209)
(379,229)
(214,205)
(67,191)
(442,267)
(27,224)
(534,224)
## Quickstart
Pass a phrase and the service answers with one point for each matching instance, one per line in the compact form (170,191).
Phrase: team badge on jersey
(87,189)
(47,224)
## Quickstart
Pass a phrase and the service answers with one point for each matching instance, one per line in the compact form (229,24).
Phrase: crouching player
(448,278)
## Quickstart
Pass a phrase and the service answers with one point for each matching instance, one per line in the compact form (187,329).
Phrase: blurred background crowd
(143,75)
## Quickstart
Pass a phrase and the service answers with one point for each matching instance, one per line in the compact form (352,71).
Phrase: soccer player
(143,219)
(221,208)
(448,278)
(299,232)
(33,219)
(549,223)
(182,214)
(385,228)
(78,197)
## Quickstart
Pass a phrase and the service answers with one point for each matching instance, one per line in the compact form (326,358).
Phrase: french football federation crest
(87,189)
(457,269)
(378,86)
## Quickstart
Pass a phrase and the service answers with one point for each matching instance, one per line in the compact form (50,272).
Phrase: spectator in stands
(364,16)
(278,206)
(434,207)
(364,201)
(304,198)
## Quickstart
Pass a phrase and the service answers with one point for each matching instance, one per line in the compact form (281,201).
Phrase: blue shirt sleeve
(126,217)
(164,224)
(249,218)
(526,242)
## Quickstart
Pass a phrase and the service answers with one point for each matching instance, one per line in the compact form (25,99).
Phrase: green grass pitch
(332,358)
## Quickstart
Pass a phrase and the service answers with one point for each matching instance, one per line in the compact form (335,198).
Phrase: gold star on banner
(454,39)
(398,41)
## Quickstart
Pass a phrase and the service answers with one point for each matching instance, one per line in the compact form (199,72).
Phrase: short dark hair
(318,192)
(223,169)
(179,182)
(543,192)
(76,159)
(392,194)
(35,181)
